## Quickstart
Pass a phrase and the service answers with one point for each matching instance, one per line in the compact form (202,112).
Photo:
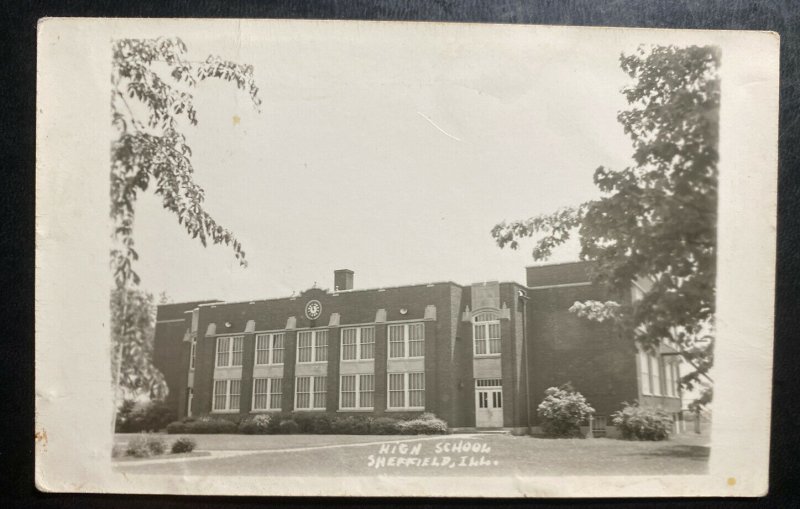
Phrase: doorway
(488,403)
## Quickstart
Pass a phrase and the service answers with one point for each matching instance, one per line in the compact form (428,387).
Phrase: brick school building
(478,356)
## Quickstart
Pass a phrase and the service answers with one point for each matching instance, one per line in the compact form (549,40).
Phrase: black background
(18,213)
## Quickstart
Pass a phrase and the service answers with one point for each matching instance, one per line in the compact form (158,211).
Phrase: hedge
(312,423)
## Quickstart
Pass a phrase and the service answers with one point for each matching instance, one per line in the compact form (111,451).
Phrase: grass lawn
(340,455)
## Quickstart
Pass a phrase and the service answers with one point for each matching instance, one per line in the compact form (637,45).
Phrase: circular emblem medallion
(313,309)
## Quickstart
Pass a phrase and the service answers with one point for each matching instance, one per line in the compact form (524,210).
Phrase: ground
(350,455)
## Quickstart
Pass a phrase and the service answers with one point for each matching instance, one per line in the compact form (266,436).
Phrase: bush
(202,426)
(183,444)
(143,446)
(384,426)
(288,427)
(351,425)
(637,423)
(308,422)
(151,416)
(255,425)
(562,411)
(425,424)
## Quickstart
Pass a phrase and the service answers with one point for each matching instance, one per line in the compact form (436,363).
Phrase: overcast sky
(391,156)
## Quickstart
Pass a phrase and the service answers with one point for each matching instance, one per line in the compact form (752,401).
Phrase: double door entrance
(488,403)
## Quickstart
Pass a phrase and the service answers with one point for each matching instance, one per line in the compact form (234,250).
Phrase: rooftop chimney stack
(342,280)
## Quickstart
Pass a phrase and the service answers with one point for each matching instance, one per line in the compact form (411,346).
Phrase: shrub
(637,423)
(183,444)
(384,426)
(151,416)
(351,425)
(118,451)
(309,422)
(288,427)
(562,411)
(425,424)
(142,446)
(202,426)
(255,425)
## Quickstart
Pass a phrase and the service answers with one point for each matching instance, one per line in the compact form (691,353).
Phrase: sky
(391,154)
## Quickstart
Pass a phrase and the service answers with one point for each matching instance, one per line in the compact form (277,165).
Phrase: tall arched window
(486,333)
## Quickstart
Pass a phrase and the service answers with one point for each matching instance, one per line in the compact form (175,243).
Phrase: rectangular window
(407,340)
(486,336)
(407,390)
(320,391)
(277,348)
(676,378)
(269,348)
(302,396)
(227,395)
(234,394)
(236,351)
(644,371)
(358,343)
(193,354)
(262,349)
(223,349)
(321,346)
(349,344)
(655,368)
(267,393)
(229,351)
(356,391)
(310,392)
(220,395)
(669,385)
(312,346)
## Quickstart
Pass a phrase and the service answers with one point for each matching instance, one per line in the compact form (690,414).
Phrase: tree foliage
(151,103)
(655,219)
(151,100)
(133,316)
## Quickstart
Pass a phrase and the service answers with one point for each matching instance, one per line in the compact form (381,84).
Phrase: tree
(657,218)
(133,316)
(151,102)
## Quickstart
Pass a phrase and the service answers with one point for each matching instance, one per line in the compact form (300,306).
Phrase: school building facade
(478,356)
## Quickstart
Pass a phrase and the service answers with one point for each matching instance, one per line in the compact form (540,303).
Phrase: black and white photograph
(430,259)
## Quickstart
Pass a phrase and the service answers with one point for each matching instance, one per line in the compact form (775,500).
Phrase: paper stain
(236,120)
(41,437)
(731,481)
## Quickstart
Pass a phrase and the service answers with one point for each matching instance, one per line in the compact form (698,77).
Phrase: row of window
(356,392)
(651,367)
(406,340)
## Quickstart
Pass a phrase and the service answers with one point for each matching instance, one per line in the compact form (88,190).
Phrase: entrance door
(488,403)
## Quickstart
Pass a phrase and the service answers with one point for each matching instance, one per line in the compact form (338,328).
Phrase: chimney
(342,280)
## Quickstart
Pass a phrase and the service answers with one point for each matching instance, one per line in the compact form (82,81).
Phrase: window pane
(480,331)
(235,394)
(277,348)
(262,349)
(368,343)
(396,390)
(349,344)
(276,393)
(260,394)
(222,351)
(238,343)
(480,346)
(304,346)
(494,345)
(416,345)
(348,391)
(321,347)
(416,392)
(320,391)
(396,346)
(220,394)
(366,390)
(303,391)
